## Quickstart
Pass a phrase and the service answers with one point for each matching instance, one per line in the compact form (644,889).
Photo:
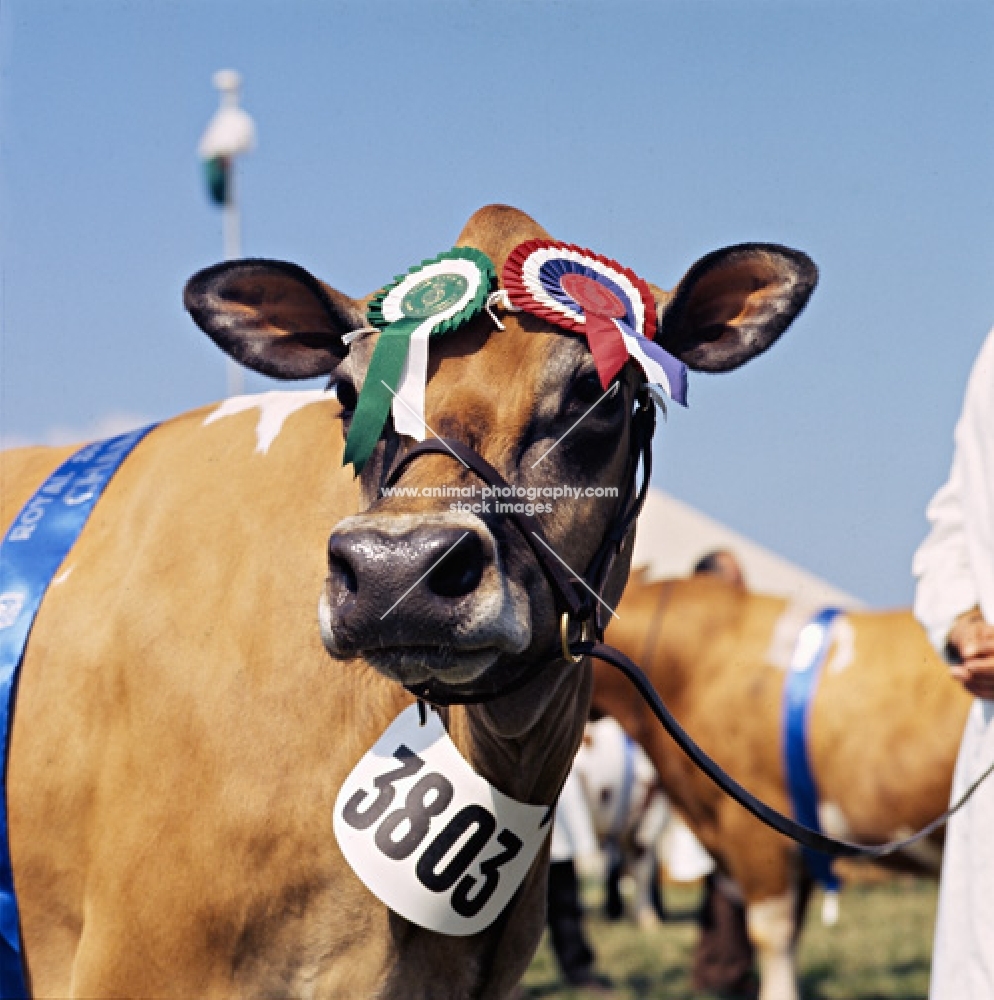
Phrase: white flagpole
(231,237)
(230,133)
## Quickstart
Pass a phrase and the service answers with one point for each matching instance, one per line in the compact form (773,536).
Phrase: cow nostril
(341,572)
(460,572)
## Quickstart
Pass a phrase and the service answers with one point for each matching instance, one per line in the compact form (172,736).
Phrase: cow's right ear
(272,316)
(733,304)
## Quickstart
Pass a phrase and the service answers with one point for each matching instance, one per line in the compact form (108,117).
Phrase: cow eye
(346,394)
(586,391)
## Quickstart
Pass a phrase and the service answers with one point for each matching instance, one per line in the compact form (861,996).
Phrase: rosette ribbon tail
(382,379)
(607,346)
(592,295)
(434,298)
(409,404)
(657,363)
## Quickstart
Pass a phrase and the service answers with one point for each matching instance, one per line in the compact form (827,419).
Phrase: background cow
(885,725)
(182,730)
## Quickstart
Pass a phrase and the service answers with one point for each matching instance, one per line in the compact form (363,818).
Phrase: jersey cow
(885,724)
(184,723)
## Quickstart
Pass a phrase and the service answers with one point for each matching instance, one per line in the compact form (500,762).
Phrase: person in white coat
(954,600)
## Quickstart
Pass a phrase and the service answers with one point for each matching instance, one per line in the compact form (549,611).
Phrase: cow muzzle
(421,597)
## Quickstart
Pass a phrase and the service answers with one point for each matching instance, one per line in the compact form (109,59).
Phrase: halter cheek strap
(576,597)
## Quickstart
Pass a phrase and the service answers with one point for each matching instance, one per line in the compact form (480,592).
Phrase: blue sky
(652,132)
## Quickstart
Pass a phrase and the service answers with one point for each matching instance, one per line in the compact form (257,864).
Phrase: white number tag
(428,836)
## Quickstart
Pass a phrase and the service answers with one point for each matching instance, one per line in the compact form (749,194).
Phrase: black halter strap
(575,596)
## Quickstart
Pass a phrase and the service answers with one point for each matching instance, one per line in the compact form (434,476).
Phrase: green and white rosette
(432,299)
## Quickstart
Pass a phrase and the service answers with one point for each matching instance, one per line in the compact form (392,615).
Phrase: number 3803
(401,831)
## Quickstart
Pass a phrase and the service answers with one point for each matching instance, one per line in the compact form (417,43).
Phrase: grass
(879,950)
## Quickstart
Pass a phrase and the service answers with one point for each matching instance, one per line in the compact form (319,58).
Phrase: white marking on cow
(833,821)
(274,408)
(794,618)
(63,576)
(844,644)
(771,930)
(784,639)
(830,908)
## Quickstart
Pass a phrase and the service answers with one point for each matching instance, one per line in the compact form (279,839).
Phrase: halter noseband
(576,597)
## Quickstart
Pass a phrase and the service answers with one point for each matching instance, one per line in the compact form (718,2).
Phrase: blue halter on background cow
(32,551)
(626,786)
(806,665)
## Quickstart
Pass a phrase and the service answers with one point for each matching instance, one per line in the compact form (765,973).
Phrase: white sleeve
(946,586)
(954,566)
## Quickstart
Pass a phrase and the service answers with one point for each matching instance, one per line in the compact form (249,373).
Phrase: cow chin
(467,667)
(418,667)
(468,676)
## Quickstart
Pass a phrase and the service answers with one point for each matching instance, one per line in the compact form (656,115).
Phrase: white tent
(672,537)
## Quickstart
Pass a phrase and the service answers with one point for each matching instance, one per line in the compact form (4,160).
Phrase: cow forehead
(486,385)
(497,229)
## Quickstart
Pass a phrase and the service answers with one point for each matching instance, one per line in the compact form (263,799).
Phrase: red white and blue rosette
(610,305)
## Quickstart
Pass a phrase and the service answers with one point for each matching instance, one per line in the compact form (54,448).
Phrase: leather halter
(576,597)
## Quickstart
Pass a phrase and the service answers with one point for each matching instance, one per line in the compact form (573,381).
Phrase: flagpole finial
(231,132)
(229,82)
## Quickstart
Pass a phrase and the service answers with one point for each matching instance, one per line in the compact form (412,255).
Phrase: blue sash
(32,551)
(799,688)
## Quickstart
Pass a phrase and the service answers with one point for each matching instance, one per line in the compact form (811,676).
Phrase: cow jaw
(423,599)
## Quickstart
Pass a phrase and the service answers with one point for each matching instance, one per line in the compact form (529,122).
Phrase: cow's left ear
(272,316)
(733,304)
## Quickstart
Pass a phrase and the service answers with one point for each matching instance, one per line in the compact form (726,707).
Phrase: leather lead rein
(576,604)
(771,817)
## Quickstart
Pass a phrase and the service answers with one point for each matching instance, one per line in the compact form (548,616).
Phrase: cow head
(433,585)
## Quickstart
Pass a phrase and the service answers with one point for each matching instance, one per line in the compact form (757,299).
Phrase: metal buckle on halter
(586,635)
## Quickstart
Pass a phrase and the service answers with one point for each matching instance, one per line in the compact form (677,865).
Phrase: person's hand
(971,641)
